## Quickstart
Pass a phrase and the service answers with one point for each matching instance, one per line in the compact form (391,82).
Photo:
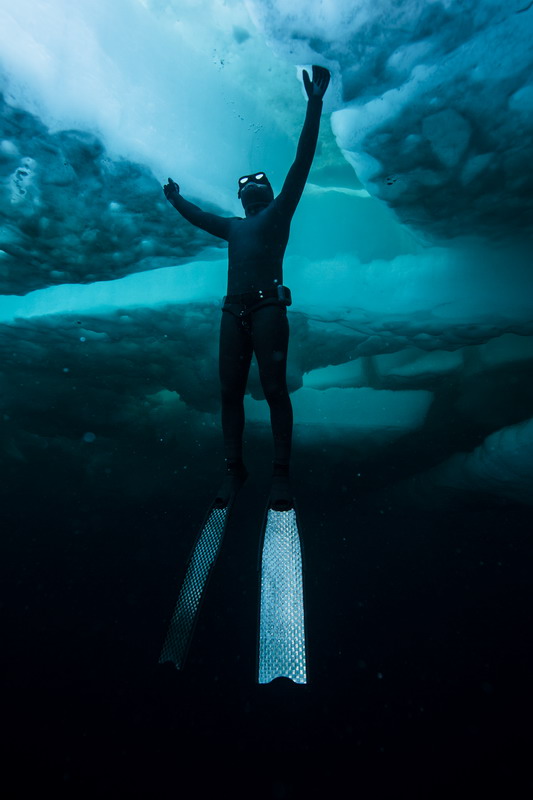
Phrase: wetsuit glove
(171,190)
(316,88)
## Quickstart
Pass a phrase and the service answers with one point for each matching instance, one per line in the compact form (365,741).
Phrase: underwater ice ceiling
(434,104)
(410,257)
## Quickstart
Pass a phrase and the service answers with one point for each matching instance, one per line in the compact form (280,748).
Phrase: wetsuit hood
(255,192)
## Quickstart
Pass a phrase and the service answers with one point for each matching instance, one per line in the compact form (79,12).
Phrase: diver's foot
(234,478)
(281,498)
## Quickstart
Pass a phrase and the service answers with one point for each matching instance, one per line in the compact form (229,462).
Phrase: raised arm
(212,223)
(297,176)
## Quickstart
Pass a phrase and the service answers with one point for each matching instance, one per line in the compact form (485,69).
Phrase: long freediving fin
(282,650)
(200,565)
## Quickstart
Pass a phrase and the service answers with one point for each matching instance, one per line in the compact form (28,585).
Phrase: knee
(230,394)
(275,391)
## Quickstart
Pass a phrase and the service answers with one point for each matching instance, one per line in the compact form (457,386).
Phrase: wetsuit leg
(270,335)
(235,355)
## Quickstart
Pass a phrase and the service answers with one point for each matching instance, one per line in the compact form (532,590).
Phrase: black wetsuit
(254,319)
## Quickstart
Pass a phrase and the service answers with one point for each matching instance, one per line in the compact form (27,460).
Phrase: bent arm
(212,223)
(293,187)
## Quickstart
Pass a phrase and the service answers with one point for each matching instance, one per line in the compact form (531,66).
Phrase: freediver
(254,311)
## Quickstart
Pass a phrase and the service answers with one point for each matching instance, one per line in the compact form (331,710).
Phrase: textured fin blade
(281,621)
(202,559)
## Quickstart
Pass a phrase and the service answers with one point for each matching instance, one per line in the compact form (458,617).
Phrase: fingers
(321,77)
(317,87)
(169,192)
(171,188)
(320,73)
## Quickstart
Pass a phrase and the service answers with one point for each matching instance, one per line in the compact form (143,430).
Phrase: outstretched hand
(316,88)
(171,190)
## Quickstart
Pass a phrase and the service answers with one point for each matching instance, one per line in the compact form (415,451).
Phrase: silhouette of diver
(254,313)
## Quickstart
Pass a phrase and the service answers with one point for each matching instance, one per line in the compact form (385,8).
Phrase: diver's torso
(256,248)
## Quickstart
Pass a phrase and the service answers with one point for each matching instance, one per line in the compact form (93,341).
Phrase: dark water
(419,627)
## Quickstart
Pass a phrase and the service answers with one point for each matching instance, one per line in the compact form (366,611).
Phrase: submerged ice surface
(404,323)
(433,103)
(501,465)
(71,214)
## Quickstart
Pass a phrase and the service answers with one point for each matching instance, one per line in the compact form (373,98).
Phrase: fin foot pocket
(236,475)
(281,496)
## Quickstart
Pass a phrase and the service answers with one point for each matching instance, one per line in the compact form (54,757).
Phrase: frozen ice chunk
(448,133)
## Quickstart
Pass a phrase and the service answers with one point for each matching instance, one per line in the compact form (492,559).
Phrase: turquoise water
(409,371)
